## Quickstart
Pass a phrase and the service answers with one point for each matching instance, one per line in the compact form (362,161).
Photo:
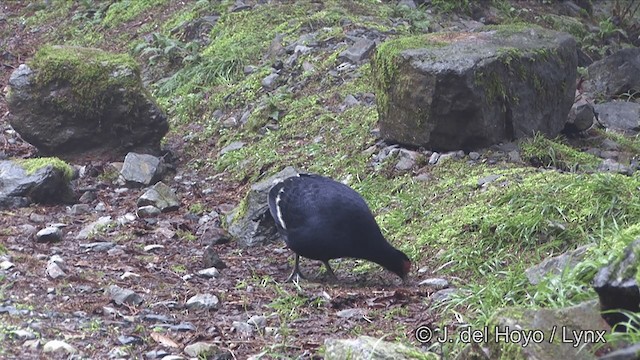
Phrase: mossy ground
(482,238)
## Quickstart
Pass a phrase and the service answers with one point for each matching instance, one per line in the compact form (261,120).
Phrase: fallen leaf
(164,340)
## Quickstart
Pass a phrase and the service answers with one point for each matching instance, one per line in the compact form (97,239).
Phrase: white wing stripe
(278,211)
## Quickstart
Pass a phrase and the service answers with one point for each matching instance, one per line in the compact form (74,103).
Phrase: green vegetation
(540,151)
(33,165)
(91,72)
(128,9)
(484,235)
(447,6)
(179,268)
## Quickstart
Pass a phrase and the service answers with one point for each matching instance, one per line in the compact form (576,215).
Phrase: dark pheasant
(322,219)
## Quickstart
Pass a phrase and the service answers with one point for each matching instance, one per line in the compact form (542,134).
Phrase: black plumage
(323,219)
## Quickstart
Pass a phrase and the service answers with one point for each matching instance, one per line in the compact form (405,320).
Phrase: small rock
(408,3)
(186,326)
(124,296)
(258,321)
(201,350)
(130,340)
(79,209)
(157,317)
(211,259)
(249,69)
(23,334)
(125,219)
(209,273)
(236,145)
(160,196)
(301,49)
(514,156)
(97,225)
(242,328)
(49,234)
(203,302)
(27,230)
(118,352)
(58,346)
(101,246)
(474,155)
(610,165)
(580,116)
(351,313)
(488,180)
(436,283)
(359,51)
(31,345)
(270,81)
(141,169)
(433,159)
(442,295)
(148,211)
(407,160)
(100,207)
(6,265)
(87,197)
(291,61)
(37,218)
(451,155)
(54,270)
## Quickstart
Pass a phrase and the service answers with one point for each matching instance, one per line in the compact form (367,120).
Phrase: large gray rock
(556,265)
(451,91)
(252,223)
(620,115)
(616,74)
(617,286)
(141,169)
(546,334)
(70,100)
(366,347)
(41,180)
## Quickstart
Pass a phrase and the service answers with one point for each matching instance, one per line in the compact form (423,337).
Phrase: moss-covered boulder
(366,347)
(545,334)
(42,180)
(71,101)
(450,91)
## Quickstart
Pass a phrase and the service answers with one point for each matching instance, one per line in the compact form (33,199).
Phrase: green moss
(510,29)
(541,151)
(33,165)
(126,10)
(386,61)
(567,24)
(90,72)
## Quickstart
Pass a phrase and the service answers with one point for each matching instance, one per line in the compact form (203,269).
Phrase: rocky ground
(158,259)
(134,289)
